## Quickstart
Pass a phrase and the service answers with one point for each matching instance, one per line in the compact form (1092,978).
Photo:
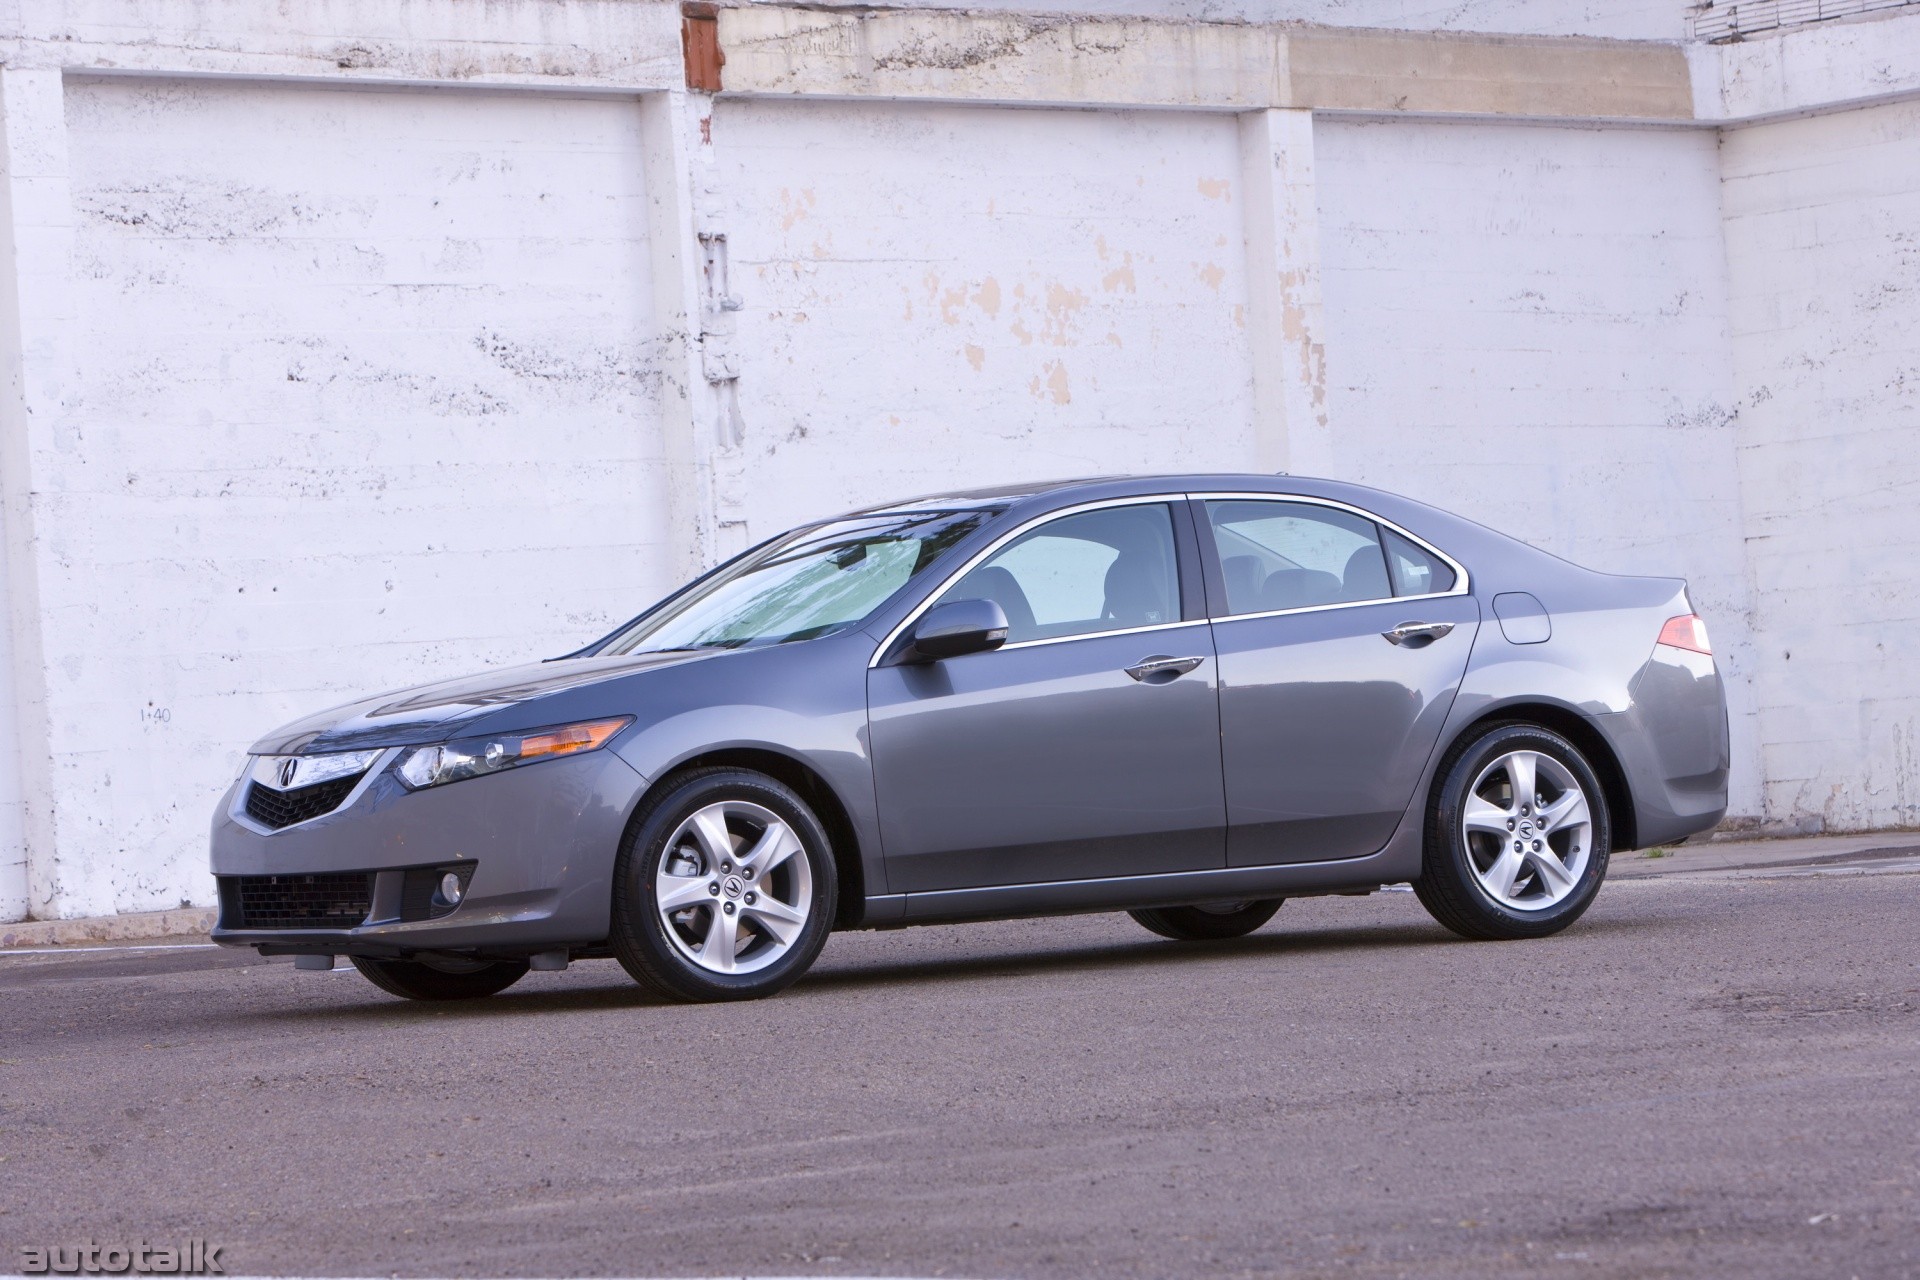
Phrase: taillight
(1686,632)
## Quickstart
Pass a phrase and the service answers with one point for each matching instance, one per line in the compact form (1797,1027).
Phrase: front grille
(331,900)
(277,809)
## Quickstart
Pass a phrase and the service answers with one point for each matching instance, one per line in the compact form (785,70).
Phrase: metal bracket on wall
(719,355)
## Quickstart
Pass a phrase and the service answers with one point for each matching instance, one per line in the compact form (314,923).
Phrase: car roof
(989,496)
(1464,540)
(1049,493)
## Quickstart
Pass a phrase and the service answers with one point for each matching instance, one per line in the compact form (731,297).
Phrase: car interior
(1105,570)
(1274,556)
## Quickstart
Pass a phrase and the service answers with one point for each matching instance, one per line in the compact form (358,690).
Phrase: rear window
(1416,571)
(1277,555)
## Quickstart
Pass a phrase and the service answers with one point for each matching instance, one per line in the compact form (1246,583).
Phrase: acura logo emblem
(287,769)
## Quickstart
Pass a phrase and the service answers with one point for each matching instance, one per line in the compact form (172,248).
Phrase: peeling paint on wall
(1012,291)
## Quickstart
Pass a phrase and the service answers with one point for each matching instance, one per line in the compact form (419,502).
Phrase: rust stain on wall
(700,47)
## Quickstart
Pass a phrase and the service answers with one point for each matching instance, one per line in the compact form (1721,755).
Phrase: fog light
(451,889)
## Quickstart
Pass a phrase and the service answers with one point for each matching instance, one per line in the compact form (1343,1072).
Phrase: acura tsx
(1188,698)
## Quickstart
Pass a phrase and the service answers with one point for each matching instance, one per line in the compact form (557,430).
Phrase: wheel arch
(820,797)
(1583,734)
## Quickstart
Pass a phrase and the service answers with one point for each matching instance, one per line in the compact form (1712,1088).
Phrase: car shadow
(1149,953)
(611,989)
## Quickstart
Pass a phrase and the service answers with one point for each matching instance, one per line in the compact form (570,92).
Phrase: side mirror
(955,628)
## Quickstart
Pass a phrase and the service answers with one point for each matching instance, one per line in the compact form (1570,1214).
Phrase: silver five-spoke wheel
(1527,826)
(730,890)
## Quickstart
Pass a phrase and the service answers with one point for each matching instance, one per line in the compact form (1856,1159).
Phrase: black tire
(640,935)
(1210,922)
(442,980)
(1450,884)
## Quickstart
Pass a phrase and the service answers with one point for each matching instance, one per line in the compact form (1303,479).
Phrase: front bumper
(541,842)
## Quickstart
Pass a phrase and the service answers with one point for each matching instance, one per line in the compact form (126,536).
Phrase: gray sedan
(1188,698)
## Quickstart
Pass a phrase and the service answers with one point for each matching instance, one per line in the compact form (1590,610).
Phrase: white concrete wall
(937,297)
(1528,325)
(1615,19)
(1823,246)
(362,393)
(14,895)
(309,390)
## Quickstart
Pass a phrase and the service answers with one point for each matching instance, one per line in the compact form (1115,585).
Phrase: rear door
(1061,756)
(1341,643)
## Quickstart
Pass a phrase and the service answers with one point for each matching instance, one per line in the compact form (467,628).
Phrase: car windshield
(812,582)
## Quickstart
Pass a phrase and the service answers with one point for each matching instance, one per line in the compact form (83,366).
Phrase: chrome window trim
(1096,635)
(1044,518)
(237,810)
(1462,581)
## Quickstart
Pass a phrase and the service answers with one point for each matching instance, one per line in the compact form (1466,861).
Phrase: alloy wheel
(1528,830)
(731,892)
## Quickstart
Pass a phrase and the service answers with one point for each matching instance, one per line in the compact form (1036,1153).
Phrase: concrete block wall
(953,295)
(409,343)
(362,392)
(1528,325)
(1614,19)
(1823,247)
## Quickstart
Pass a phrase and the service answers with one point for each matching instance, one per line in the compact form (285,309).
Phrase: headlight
(452,761)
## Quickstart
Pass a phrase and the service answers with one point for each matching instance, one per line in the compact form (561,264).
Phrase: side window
(1292,555)
(1097,571)
(1416,571)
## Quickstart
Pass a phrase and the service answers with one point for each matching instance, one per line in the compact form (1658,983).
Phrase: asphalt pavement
(1713,1074)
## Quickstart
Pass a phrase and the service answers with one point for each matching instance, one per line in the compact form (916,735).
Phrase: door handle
(1417,633)
(1160,669)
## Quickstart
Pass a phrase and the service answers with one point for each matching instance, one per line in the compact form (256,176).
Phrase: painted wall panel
(1528,325)
(1617,19)
(365,395)
(937,297)
(1823,246)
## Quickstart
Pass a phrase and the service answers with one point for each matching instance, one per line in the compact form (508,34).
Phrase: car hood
(442,710)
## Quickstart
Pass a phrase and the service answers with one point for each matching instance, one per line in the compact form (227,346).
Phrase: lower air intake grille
(277,809)
(334,900)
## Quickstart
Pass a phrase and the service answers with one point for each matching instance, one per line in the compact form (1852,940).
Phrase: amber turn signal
(574,737)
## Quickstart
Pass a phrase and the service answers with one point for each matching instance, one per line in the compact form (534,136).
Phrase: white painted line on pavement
(68,951)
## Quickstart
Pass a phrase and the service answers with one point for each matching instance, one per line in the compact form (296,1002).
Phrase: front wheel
(725,888)
(1208,922)
(1517,836)
(447,978)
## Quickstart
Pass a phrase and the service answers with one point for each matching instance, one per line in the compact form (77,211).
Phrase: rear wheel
(725,888)
(441,978)
(1208,922)
(1517,836)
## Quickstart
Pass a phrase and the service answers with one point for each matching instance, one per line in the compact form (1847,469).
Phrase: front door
(1327,723)
(1049,759)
